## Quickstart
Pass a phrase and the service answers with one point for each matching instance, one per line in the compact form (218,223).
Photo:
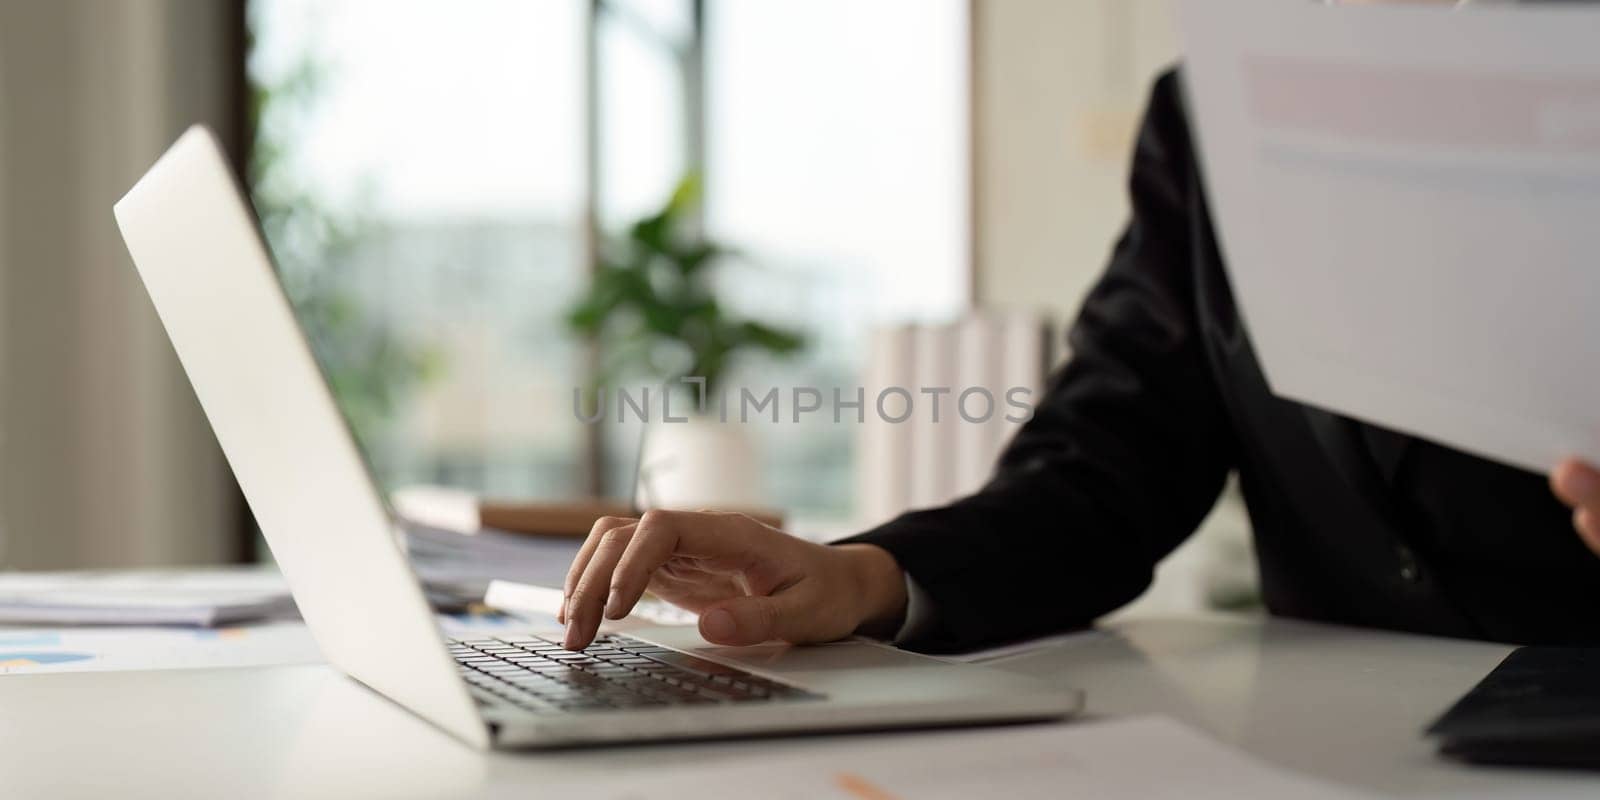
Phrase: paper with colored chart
(83,649)
(29,650)
(1405,197)
(1140,758)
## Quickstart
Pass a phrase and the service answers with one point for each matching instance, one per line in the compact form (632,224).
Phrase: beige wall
(104,456)
(1058,86)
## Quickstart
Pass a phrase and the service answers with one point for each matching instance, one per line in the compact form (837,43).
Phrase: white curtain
(105,458)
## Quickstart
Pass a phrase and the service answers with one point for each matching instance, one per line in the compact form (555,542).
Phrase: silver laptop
(197,247)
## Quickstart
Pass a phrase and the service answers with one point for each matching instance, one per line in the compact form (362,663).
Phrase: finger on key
(583,611)
(581,560)
(655,540)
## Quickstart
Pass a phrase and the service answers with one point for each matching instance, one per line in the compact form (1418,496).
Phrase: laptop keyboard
(616,672)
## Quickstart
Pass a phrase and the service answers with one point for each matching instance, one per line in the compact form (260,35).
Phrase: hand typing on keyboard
(749,582)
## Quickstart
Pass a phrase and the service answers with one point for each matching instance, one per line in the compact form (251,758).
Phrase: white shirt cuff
(919,613)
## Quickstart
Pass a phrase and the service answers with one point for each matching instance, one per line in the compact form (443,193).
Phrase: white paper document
(542,603)
(143,597)
(1408,204)
(1140,758)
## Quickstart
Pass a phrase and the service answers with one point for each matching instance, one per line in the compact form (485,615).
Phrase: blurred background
(444,184)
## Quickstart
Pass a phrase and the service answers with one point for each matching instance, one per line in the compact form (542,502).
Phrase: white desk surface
(1341,704)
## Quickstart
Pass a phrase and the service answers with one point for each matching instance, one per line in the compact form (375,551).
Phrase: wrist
(879,588)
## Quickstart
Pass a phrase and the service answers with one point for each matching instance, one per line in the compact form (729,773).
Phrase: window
(837,160)
(421,174)
(419,169)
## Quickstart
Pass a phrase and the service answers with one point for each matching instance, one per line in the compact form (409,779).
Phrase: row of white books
(968,383)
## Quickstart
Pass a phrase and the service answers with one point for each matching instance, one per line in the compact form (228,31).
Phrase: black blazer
(1162,397)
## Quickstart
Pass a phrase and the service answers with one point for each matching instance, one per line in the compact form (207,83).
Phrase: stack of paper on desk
(203,598)
(540,602)
(448,561)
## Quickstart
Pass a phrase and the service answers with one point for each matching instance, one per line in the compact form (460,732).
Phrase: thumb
(755,619)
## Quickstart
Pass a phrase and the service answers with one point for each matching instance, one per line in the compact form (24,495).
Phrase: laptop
(197,246)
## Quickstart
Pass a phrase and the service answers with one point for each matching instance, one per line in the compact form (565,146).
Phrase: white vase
(700,463)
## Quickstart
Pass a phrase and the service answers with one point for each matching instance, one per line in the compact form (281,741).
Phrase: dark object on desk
(1539,707)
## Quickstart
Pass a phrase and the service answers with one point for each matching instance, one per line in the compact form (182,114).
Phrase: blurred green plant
(652,305)
(369,366)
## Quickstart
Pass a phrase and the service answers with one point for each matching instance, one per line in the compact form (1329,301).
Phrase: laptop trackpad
(814,658)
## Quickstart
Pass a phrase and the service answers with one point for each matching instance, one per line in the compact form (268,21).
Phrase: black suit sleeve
(1125,454)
